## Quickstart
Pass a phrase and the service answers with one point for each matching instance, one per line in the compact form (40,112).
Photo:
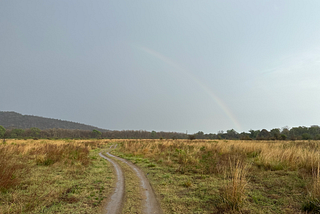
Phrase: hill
(10,119)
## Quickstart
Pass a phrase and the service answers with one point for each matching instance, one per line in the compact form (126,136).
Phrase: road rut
(114,205)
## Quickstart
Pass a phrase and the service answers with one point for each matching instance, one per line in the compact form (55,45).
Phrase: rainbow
(203,86)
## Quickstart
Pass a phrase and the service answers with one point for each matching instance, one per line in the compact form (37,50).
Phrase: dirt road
(115,202)
(150,205)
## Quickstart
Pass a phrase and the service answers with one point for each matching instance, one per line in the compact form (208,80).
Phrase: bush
(191,137)
(283,137)
(2,131)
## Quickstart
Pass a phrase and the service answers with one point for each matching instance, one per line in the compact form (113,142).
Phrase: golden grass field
(53,176)
(199,176)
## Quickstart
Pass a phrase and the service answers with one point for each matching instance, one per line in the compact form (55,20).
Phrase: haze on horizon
(163,65)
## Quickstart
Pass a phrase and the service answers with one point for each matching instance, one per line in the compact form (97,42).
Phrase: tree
(314,131)
(221,135)
(263,135)
(200,135)
(232,134)
(35,132)
(283,137)
(96,133)
(285,131)
(317,137)
(254,133)
(245,136)
(2,132)
(275,134)
(17,133)
(306,136)
(191,137)
(153,134)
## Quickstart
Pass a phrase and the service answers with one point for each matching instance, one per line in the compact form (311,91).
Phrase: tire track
(150,203)
(114,204)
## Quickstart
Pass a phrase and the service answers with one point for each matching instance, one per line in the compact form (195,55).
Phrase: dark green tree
(285,130)
(317,137)
(314,131)
(245,136)
(221,135)
(254,133)
(200,135)
(283,137)
(232,134)
(153,134)
(306,136)
(96,133)
(35,132)
(17,133)
(191,137)
(2,132)
(263,135)
(275,134)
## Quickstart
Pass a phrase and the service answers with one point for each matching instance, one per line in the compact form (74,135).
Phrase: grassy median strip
(48,176)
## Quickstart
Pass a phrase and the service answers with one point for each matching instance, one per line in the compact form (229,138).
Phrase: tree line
(86,134)
(295,133)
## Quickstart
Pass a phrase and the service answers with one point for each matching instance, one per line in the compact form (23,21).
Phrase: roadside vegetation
(211,176)
(53,176)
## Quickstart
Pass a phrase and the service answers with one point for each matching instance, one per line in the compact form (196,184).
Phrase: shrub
(2,131)
(191,137)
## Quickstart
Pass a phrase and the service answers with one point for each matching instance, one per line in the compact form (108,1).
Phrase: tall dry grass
(37,175)
(15,154)
(11,168)
(270,155)
(234,192)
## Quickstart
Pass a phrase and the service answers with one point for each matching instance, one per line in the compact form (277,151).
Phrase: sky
(181,66)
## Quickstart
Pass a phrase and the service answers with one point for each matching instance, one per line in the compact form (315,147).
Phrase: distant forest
(25,126)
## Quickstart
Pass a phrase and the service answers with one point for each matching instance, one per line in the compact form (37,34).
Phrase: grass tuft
(234,192)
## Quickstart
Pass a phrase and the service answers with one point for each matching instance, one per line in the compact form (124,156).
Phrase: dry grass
(11,168)
(53,176)
(293,155)
(200,176)
(234,192)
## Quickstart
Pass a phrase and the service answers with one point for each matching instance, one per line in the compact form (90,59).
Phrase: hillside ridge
(11,119)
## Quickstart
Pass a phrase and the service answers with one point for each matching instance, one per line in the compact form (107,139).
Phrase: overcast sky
(163,65)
